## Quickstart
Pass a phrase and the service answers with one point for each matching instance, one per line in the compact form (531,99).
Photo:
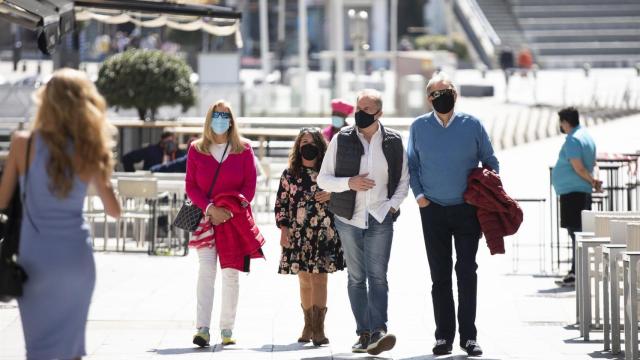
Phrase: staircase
(569,33)
(502,19)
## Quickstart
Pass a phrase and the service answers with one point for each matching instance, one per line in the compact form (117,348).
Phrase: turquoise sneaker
(202,337)
(227,338)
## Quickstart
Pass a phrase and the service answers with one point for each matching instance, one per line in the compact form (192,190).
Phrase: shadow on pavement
(447,357)
(347,356)
(572,327)
(179,351)
(296,346)
(606,355)
(579,340)
(557,290)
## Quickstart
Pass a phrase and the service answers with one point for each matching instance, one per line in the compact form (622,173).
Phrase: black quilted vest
(348,156)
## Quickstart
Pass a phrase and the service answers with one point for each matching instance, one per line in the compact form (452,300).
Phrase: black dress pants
(439,225)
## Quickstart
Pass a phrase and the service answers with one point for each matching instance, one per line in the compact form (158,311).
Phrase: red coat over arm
(237,240)
(499,215)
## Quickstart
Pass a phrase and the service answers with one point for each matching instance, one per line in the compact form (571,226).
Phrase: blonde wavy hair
(72,115)
(236,143)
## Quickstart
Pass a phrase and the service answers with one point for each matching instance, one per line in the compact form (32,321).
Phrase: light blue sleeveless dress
(58,259)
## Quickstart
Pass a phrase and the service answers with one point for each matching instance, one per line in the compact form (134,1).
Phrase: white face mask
(337,121)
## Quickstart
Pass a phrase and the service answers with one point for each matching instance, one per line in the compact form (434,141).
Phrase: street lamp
(359,33)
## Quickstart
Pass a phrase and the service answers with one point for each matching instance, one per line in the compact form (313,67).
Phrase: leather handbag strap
(215,177)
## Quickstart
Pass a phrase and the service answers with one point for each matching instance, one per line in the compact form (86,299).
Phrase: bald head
(370,95)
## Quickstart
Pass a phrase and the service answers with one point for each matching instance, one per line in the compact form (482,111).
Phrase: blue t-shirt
(578,145)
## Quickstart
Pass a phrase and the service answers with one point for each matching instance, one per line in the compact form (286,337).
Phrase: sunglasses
(220,114)
(309,130)
(436,94)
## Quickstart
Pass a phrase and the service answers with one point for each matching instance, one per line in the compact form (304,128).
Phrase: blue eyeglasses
(221,114)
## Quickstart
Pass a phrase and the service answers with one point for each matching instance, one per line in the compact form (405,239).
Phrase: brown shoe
(318,326)
(307,331)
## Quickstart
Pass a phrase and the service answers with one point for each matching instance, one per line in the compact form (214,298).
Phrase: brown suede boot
(318,326)
(307,331)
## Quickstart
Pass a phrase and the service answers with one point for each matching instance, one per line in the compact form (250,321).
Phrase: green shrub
(441,42)
(146,80)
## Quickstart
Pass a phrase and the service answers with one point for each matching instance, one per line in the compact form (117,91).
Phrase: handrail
(478,28)
(490,31)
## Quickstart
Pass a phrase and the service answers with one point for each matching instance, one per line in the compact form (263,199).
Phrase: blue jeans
(367,255)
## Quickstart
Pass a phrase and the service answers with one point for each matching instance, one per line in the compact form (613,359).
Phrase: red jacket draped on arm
(499,215)
(238,240)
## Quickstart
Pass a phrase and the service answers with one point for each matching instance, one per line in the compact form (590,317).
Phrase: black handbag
(190,215)
(12,275)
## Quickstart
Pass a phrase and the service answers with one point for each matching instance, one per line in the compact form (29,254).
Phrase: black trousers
(571,206)
(439,224)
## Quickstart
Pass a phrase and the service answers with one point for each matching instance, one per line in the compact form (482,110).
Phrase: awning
(54,18)
(217,27)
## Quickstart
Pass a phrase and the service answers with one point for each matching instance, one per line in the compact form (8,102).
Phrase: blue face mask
(219,124)
(337,121)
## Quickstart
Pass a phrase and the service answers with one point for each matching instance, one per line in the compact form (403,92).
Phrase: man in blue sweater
(444,146)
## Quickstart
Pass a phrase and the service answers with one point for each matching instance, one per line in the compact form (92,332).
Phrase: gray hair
(440,77)
(372,94)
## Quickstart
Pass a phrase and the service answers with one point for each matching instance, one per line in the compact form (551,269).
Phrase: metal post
(303,44)
(281,33)
(359,29)
(264,38)
(551,202)
(281,23)
(338,11)
(393,33)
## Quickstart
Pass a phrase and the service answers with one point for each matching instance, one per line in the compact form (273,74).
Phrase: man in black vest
(365,169)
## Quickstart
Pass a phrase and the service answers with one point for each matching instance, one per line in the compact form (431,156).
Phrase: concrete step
(588,48)
(580,35)
(568,23)
(584,32)
(576,61)
(563,10)
(574,2)
(585,35)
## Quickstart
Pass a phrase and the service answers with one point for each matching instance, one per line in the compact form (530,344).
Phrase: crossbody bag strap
(26,178)
(215,177)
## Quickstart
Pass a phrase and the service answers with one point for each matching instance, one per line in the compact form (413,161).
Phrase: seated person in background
(164,151)
(178,165)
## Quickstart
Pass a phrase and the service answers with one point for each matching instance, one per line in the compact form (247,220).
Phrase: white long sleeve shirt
(373,162)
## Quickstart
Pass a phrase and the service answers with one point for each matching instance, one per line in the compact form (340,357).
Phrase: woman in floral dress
(311,247)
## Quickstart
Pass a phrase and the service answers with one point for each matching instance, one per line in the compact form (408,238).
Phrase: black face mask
(309,151)
(443,104)
(364,119)
(170,147)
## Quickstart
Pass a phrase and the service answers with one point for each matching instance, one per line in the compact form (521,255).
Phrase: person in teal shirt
(573,178)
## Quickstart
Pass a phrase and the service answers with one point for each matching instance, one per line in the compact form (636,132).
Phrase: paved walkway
(144,307)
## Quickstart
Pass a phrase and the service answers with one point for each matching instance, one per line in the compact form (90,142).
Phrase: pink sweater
(238,174)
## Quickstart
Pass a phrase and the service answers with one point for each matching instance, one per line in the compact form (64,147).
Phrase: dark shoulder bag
(190,215)
(12,275)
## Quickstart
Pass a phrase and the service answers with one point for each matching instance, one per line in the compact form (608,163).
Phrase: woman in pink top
(219,147)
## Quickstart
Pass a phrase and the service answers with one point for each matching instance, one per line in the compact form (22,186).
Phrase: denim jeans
(367,255)
(439,224)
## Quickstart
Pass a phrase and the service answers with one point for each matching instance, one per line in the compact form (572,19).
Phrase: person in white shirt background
(365,169)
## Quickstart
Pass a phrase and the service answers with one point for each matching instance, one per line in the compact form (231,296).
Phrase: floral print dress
(315,244)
